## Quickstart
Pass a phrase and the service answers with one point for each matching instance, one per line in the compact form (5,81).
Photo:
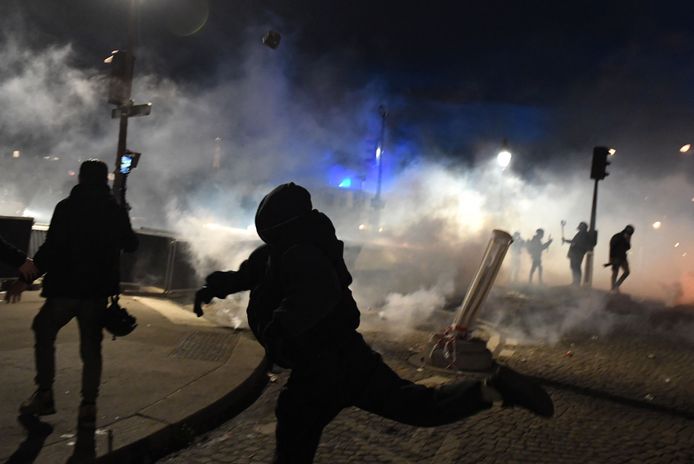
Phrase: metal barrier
(16,231)
(162,263)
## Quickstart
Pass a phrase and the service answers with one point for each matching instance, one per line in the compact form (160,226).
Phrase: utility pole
(598,172)
(120,90)
(377,201)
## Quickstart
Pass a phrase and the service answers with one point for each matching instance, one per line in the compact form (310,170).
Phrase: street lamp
(503,158)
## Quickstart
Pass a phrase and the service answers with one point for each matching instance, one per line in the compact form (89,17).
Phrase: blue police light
(346,183)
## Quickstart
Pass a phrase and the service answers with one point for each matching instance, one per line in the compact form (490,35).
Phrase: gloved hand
(202,296)
(217,279)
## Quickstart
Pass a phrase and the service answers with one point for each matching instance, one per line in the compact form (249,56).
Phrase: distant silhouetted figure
(535,248)
(302,311)
(620,243)
(516,251)
(80,257)
(580,245)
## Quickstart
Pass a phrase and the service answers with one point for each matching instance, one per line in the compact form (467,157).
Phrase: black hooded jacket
(580,244)
(81,254)
(620,243)
(300,299)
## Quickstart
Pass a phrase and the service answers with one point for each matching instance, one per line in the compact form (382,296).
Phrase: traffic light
(121,77)
(598,169)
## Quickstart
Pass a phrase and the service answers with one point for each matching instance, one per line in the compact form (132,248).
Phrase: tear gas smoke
(437,217)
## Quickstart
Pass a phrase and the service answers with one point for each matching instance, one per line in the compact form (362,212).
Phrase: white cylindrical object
(484,279)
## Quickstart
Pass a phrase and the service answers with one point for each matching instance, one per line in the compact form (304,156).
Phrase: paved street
(587,427)
(173,367)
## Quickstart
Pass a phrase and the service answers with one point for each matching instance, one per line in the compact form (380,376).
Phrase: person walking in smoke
(620,243)
(579,246)
(516,252)
(80,257)
(302,311)
(535,248)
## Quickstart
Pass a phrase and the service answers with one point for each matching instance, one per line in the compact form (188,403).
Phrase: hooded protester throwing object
(302,311)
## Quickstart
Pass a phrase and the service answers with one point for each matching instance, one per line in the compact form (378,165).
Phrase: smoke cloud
(211,150)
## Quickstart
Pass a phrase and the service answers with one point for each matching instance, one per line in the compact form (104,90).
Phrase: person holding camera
(80,258)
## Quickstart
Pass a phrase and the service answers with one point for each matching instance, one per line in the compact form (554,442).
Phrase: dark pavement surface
(159,384)
(623,395)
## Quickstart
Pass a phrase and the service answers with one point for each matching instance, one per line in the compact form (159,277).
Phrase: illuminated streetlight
(685,148)
(611,151)
(504,158)
(657,225)
(16,154)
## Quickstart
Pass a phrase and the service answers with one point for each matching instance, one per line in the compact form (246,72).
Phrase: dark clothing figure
(81,257)
(580,245)
(302,311)
(516,252)
(11,255)
(535,248)
(620,244)
(55,314)
(81,254)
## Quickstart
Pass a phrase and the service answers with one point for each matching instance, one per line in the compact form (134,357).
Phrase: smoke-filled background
(231,119)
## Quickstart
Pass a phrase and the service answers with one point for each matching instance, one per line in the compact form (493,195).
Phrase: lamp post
(503,158)
(377,202)
(120,88)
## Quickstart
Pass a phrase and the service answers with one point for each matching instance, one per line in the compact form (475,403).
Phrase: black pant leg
(89,317)
(378,389)
(53,315)
(312,397)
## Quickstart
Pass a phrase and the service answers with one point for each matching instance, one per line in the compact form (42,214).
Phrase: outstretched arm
(219,284)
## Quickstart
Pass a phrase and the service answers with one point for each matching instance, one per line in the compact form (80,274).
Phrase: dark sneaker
(518,390)
(40,403)
(86,418)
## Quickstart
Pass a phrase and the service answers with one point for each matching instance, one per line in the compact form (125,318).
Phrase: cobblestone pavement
(618,347)
(585,429)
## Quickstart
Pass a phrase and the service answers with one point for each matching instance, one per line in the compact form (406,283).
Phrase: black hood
(285,218)
(91,191)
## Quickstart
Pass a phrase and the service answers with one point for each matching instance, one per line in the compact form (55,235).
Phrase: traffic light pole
(588,274)
(119,179)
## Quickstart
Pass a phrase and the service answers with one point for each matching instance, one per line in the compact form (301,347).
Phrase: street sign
(131,111)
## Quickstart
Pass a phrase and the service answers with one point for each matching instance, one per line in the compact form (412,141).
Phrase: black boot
(518,390)
(40,403)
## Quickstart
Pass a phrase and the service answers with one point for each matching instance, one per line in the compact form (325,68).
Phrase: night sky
(599,72)
(514,51)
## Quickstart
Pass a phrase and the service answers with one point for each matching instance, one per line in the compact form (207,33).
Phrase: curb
(179,434)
